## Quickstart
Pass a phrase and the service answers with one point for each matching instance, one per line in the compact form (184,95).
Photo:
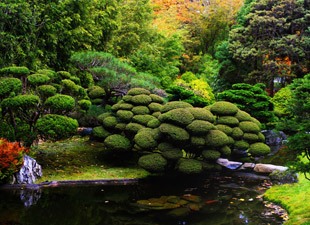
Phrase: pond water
(196,200)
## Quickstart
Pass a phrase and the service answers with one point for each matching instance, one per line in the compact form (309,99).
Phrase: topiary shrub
(224,108)
(153,123)
(173,155)
(249,127)
(8,86)
(226,129)
(99,133)
(242,145)
(110,122)
(38,79)
(96,92)
(138,91)
(157,99)
(133,128)
(243,116)
(198,141)
(117,142)
(145,139)
(140,110)
(281,102)
(202,114)
(14,71)
(211,155)
(173,132)
(125,106)
(124,115)
(22,102)
(181,117)
(60,104)
(51,74)
(84,104)
(200,127)
(141,99)
(102,116)
(153,162)
(142,119)
(216,138)
(251,138)
(155,107)
(175,105)
(190,166)
(225,151)
(228,120)
(237,133)
(46,91)
(56,127)
(259,149)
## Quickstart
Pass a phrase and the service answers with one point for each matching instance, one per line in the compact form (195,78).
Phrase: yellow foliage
(202,87)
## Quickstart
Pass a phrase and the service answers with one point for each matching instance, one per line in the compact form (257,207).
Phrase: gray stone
(29,172)
(228,164)
(268,168)
(273,138)
(247,166)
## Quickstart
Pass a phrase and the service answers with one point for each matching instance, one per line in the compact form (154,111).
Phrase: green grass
(295,198)
(80,159)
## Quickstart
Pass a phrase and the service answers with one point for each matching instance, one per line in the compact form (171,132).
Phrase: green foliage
(173,132)
(155,107)
(242,145)
(110,122)
(145,139)
(141,99)
(181,117)
(216,138)
(228,120)
(124,115)
(259,149)
(14,71)
(38,79)
(117,142)
(50,73)
(153,162)
(202,114)
(188,77)
(190,166)
(56,127)
(281,102)
(99,133)
(60,104)
(20,102)
(224,108)
(224,128)
(140,110)
(211,155)
(138,91)
(142,119)
(46,91)
(200,127)
(9,85)
(175,105)
(249,127)
(84,104)
(96,92)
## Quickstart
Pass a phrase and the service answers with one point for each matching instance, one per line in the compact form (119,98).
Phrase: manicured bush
(249,127)
(99,133)
(156,114)
(145,140)
(64,75)
(261,137)
(166,146)
(153,123)
(60,103)
(224,108)
(102,116)
(190,166)
(138,91)
(120,127)
(84,104)
(20,102)
(242,145)
(175,105)
(180,117)
(198,141)
(38,79)
(14,71)
(140,110)
(153,162)
(157,99)
(51,74)
(224,128)
(281,102)
(202,114)
(133,128)
(141,99)
(243,116)
(117,142)
(46,91)
(9,85)
(259,149)
(127,98)
(124,115)
(56,127)
(200,127)
(225,151)
(251,138)
(174,132)
(142,119)
(173,155)
(211,155)
(228,120)
(96,101)
(110,122)
(237,133)
(155,107)
(216,138)
(125,106)
(96,92)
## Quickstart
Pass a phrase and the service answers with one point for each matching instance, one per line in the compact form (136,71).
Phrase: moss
(115,107)
(124,115)
(241,145)
(142,119)
(224,128)
(243,116)
(156,114)
(200,127)
(133,128)
(38,79)
(174,132)
(225,151)
(155,107)
(249,127)
(99,133)
(261,137)
(256,122)
(237,133)
(140,110)
(120,127)
(166,146)
(46,91)
(63,74)
(157,135)
(228,120)
(251,138)
(259,149)
(216,138)
(96,92)
(157,99)
(125,106)
(110,122)
(181,117)
(117,142)
(190,166)
(60,103)
(127,98)
(96,101)
(145,140)
(153,123)
(211,155)
(50,73)
(173,155)
(175,105)
(138,91)
(231,141)
(102,116)
(153,162)
(208,107)
(202,114)
(198,141)
(224,108)
(141,100)
(84,104)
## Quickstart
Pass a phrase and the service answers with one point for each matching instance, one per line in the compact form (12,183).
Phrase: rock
(278,177)
(30,196)
(268,168)
(29,172)
(228,164)
(273,138)
(247,167)
(85,131)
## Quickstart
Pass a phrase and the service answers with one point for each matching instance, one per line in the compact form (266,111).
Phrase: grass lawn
(295,198)
(81,159)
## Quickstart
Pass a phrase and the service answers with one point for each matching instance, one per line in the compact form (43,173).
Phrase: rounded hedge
(133,128)
(155,107)
(50,73)
(124,115)
(180,117)
(154,123)
(96,92)
(224,128)
(46,91)
(38,79)
(56,127)
(249,127)
(127,98)
(243,116)
(60,103)
(202,114)
(117,142)
(142,119)
(84,104)
(216,138)
(157,99)
(8,85)
(200,127)
(261,137)
(173,155)
(190,166)
(120,127)
(241,145)
(237,133)
(228,120)
(175,105)
(153,162)
(174,132)
(145,140)
(166,146)
(211,155)
(102,116)
(24,102)
(156,114)
(15,71)
(259,149)
(140,110)
(141,99)
(99,133)
(225,151)
(198,141)
(110,122)
(138,91)
(125,106)
(224,108)
(64,74)
(250,137)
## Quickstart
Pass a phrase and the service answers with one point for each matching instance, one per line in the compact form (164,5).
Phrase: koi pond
(166,201)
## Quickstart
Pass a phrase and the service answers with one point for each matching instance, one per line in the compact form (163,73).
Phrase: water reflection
(30,196)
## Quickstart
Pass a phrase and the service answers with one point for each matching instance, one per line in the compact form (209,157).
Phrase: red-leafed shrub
(11,158)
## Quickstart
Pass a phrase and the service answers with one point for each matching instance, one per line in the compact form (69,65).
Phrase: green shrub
(249,127)
(120,127)
(60,103)
(64,75)
(175,105)
(127,98)
(99,133)
(102,116)
(9,85)
(157,135)
(224,128)
(140,110)
(225,151)
(261,137)
(125,106)
(38,79)
(56,127)
(211,155)
(208,166)
(141,99)
(14,71)
(145,139)
(174,132)
(110,122)
(156,114)
(242,145)
(173,155)
(124,115)
(96,101)
(138,91)
(142,119)
(237,133)
(281,102)
(216,138)
(86,79)
(188,77)
(180,117)
(155,107)
(76,80)
(46,91)
(117,142)
(200,127)
(51,74)
(84,104)
(166,146)
(231,141)
(157,99)
(153,162)
(228,120)
(243,116)
(202,114)
(69,87)
(96,92)
(190,166)
(21,102)
(198,141)
(251,138)
(259,149)
(133,128)
(224,108)
(153,123)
